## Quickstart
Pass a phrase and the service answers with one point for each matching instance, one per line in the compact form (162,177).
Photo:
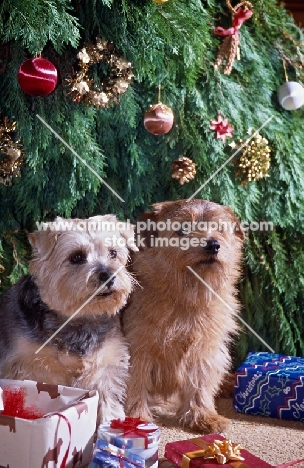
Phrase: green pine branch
(35,22)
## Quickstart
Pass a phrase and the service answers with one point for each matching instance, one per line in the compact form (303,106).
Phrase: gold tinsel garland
(11,153)
(254,162)
(112,86)
(184,170)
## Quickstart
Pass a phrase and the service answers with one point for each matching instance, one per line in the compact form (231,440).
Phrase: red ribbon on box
(65,457)
(129,426)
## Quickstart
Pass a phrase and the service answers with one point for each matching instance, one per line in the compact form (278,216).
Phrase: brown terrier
(179,325)
(59,324)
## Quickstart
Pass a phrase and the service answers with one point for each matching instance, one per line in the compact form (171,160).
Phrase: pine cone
(184,170)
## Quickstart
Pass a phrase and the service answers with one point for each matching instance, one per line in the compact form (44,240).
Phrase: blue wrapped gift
(272,385)
(108,456)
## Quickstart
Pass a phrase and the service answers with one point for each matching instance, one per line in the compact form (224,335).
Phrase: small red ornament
(222,127)
(158,119)
(37,77)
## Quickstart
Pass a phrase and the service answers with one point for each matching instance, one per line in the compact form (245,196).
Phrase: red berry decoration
(37,77)
(158,119)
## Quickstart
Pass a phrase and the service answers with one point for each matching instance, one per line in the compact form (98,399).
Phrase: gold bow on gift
(222,450)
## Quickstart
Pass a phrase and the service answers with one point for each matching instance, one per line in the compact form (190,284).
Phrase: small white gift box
(138,437)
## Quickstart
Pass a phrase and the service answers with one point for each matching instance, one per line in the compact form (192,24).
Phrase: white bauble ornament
(291,95)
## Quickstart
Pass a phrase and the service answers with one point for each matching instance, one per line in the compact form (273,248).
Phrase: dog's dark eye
(183,232)
(78,258)
(112,253)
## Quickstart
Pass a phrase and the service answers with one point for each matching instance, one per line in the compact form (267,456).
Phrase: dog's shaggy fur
(179,330)
(69,266)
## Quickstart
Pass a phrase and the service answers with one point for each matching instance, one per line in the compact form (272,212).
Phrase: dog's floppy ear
(146,226)
(238,230)
(127,232)
(43,243)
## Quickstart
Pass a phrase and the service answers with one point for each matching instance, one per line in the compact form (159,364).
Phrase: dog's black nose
(212,247)
(105,275)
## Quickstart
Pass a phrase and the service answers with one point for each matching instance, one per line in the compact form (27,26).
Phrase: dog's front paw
(107,412)
(205,421)
(145,416)
(137,411)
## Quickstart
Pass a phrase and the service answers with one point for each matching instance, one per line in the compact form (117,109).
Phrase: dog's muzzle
(212,247)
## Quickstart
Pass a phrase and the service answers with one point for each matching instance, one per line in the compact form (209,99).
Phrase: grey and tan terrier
(77,280)
(181,322)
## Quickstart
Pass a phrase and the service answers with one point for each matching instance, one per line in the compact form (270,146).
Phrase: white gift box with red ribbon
(135,435)
(63,437)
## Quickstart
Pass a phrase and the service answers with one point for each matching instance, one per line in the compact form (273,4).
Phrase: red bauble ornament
(37,77)
(158,119)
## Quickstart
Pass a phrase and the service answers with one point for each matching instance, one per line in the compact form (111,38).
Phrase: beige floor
(273,440)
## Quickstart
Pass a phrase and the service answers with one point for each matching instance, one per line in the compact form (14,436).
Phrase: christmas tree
(83,149)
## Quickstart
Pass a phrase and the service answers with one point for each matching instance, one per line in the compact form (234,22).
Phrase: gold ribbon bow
(223,450)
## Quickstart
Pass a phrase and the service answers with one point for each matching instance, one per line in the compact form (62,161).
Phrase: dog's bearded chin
(104,294)
(208,261)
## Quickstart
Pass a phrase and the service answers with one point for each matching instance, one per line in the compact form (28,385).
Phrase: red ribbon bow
(239,18)
(130,426)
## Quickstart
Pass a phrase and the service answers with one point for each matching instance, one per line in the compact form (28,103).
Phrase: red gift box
(182,453)
(175,452)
